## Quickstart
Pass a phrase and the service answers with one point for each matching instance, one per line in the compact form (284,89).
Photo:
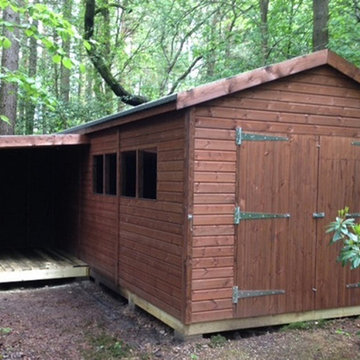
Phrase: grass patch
(217,341)
(107,347)
(305,325)
(5,330)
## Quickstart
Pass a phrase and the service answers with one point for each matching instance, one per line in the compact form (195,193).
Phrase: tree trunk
(264,28)
(320,24)
(210,59)
(55,68)
(108,94)
(99,62)
(66,44)
(10,62)
(32,68)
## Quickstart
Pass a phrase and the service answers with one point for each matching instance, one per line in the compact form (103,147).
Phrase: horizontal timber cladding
(99,212)
(151,231)
(316,102)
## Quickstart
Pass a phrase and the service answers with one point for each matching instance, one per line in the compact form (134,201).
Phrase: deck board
(39,264)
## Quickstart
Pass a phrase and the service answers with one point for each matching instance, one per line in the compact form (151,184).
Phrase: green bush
(217,341)
(346,230)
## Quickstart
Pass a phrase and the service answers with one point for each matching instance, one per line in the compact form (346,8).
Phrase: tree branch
(185,74)
(99,62)
(99,10)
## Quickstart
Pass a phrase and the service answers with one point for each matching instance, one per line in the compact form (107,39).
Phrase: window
(98,174)
(104,174)
(139,173)
(147,173)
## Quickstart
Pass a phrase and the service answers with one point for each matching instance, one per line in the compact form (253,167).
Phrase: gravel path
(82,321)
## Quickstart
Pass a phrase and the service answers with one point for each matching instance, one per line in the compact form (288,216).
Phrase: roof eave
(139,112)
(26,141)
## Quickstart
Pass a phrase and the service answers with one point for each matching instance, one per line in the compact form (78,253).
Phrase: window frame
(139,173)
(98,176)
(108,186)
(110,174)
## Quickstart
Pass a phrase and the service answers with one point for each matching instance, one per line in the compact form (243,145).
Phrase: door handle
(318,215)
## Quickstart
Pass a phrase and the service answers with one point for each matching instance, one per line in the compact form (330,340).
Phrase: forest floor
(80,320)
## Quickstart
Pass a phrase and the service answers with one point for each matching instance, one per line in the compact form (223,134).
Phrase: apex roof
(224,87)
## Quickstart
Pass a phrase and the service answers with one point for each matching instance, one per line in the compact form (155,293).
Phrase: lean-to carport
(39,185)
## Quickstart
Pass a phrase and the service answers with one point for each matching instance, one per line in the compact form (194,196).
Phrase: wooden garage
(208,208)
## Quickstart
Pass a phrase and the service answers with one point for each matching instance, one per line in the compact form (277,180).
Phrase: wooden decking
(39,264)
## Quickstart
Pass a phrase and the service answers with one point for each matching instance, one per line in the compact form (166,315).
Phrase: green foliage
(158,47)
(107,347)
(304,325)
(29,87)
(217,341)
(4,118)
(49,21)
(345,230)
(5,330)
(342,332)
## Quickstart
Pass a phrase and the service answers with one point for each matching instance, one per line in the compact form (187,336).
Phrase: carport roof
(27,141)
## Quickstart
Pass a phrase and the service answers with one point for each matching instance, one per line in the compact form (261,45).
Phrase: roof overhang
(26,141)
(151,108)
(266,74)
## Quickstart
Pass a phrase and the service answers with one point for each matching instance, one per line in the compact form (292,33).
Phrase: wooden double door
(289,188)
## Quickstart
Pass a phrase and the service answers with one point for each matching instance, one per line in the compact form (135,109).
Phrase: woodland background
(65,62)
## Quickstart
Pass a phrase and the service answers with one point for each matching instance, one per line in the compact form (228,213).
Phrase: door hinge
(352,215)
(244,294)
(318,215)
(238,215)
(242,136)
(351,286)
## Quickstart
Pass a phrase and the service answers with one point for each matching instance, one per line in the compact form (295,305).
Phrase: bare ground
(82,321)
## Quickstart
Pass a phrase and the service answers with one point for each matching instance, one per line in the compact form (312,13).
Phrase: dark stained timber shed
(208,208)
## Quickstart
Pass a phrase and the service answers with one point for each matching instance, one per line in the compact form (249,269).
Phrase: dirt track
(82,321)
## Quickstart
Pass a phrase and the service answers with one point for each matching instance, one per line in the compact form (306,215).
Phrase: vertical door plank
(277,253)
(338,187)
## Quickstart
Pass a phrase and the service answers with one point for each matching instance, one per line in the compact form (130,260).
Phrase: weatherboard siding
(319,101)
(151,237)
(98,221)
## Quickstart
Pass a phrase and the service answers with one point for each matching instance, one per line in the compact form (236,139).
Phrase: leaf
(67,63)
(6,43)
(353,237)
(87,45)
(29,32)
(337,236)
(5,118)
(56,59)
(4,4)
(82,68)
(48,43)
(356,262)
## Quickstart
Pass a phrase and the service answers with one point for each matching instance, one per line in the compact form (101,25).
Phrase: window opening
(147,173)
(98,174)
